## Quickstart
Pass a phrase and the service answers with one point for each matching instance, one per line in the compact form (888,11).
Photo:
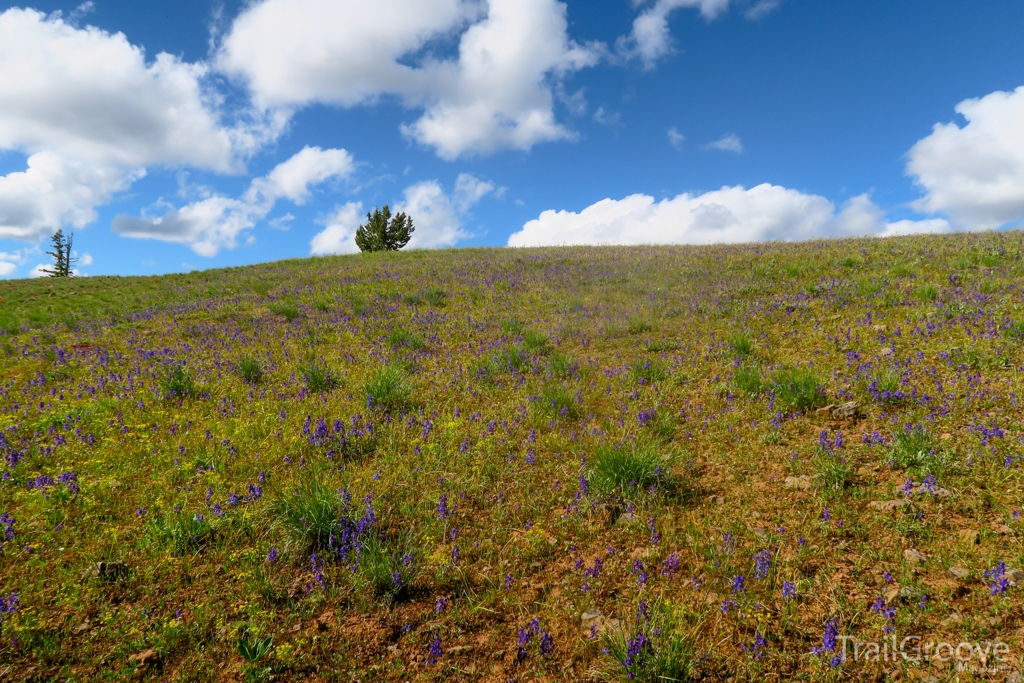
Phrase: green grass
(309,512)
(798,388)
(626,471)
(251,370)
(387,390)
(319,378)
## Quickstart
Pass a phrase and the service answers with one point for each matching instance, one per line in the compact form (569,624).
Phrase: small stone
(641,552)
(1014,677)
(802,483)
(108,571)
(914,556)
(760,532)
(460,650)
(143,658)
(1015,576)
(878,328)
(846,411)
(717,500)
(595,623)
(946,437)
(1003,530)
(888,505)
(892,594)
(885,352)
(394,650)
(958,572)
(969,536)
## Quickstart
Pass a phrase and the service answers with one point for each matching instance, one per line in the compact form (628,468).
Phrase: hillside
(653,463)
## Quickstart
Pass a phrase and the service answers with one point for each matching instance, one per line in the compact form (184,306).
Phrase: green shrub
(286,309)
(436,296)
(927,292)
(180,532)
(510,359)
(868,287)
(557,401)
(400,338)
(387,390)
(742,344)
(387,567)
(749,379)
(513,327)
(250,369)
(639,325)
(310,513)
(652,649)
(562,367)
(177,382)
(914,449)
(1014,329)
(834,473)
(626,470)
(536,342)
(648,371)
(319,378)
(798,388)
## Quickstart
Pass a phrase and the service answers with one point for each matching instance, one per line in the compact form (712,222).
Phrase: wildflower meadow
(724,463)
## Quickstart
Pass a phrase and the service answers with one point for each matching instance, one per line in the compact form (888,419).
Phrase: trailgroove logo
(973,656)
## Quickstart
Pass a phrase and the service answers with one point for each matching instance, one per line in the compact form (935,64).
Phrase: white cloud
(437,217)
(85,260)
(762,9)
(339,233)
(975,174)
(216,222)
(727,143)
(56,191)
(7,267)
(675,138)
(91,114)
(729,215)
(606,118)
(496,95)
(40,270)
(650,39)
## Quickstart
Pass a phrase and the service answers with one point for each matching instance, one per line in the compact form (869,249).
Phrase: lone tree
(62,259)
(384,233)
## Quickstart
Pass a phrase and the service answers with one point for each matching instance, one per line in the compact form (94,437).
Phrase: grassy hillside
(534,465)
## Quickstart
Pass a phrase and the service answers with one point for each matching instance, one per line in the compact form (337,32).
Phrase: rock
(760,532)
(1014,677)
(459,650)
(969,536)
(878,328)
(802,483)
(716,500)
(108,571)
(946,437)
(394,650)
(888,505)
(1003,530)
(846,411)
(595,623)
(885,352)
(640,552)
(893,593)
(914,556)
(958,572)
(1015,576)
(144,658)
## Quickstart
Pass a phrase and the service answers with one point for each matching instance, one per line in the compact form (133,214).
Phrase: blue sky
(268,129)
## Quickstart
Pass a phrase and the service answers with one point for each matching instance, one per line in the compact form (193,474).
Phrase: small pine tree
(384,233)
(63,262)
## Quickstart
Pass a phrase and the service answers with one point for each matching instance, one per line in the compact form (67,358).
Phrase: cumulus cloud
(437,217)
(651,39)
(729,215)
(727,143)
(975,173)
(675,138)
(7,268)
(762,9)
(339,233)
(497,94)
(216,222)
(91,113)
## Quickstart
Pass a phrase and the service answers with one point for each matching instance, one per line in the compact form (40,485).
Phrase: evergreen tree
(384,233)
(62,259)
